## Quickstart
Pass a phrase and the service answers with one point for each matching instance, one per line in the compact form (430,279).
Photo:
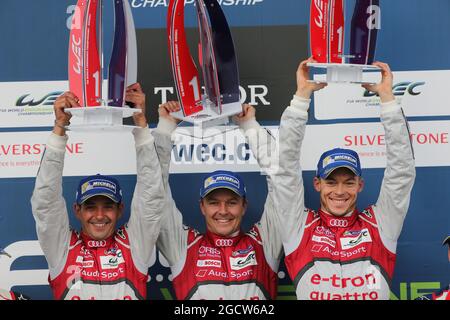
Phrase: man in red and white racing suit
(338,252)
(100,262)
(225,262)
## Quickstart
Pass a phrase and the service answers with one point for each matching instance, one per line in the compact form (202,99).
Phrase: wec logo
(76,49)
(319,19)
(401,88)
(244,261)
(47,100)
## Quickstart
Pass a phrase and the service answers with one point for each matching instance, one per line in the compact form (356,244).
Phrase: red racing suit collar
(338,222)
(220,241)
(92,243)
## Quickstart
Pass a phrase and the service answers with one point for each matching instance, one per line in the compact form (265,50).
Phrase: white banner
(29,104)
(114,153)
(421,93)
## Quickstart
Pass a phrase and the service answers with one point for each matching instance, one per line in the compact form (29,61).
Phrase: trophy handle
(185,72)
(117,66)
(132,56)
(365,24)
(84,62)
(327,30)
(337,31)
(318,30)
(207,58)
(226,59)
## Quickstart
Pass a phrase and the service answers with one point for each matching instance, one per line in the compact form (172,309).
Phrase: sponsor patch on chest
(243,261)
(111,262)
(355,238)
(324,240)
(85,262)
(209,263)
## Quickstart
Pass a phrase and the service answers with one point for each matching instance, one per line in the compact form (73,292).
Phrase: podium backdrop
(271,37)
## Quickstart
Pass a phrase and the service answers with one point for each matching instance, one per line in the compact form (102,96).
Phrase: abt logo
(400,89)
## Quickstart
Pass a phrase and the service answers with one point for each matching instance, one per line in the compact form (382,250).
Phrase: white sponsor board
(421,93)
(21,152)
(29,104)
(114,153)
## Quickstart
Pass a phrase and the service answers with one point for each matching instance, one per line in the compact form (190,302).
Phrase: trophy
(100,110)
(221,98)
(327,39)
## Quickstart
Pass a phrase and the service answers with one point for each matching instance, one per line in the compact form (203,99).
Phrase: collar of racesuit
(220,241)
(93,243)
(338,222)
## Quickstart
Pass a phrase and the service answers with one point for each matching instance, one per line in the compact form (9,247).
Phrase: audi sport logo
(338,223)
(96,243)
(224,242)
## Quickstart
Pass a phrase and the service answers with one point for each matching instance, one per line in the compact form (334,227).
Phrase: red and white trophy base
(101,118)
(344,72)
(208,122)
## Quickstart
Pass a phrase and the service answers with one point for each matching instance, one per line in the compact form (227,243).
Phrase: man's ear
(361,184)
(121,208)
(202,206)
(245,205)
(77,210)
(317,184)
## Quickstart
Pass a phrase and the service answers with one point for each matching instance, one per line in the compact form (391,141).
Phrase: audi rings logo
(96,243)
(224,242)
(338,223)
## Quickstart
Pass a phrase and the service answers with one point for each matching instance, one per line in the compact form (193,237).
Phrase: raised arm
(149,195)
(263,146)
(288,179)
(172,240)
(393,201)
(47,203)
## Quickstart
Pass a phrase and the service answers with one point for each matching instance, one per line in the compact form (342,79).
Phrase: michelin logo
(218,179)
(98,184)
(330,159)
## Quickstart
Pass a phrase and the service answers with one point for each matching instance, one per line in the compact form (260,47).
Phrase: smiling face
(339,191)
(98,216)
(223,210)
